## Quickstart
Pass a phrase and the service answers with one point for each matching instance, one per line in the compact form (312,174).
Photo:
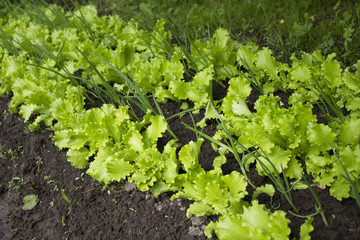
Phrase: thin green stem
(318,206)
(349,180)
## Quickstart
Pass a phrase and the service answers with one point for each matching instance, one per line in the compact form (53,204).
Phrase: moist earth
(31,164)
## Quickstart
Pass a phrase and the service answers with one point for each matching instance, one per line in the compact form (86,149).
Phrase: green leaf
(278,157)
(340,189)
(97,168)
(332,71)
(267,189)
(239,87)
(267,62)
(300,73)
(215,196)
(27,109)
(79,157)
(221,37)
(199,209)
(157,128)
(189,153)
(236,183)
(322,136)
(240,108)
(270,224)
(350,131)
(229,228)
(61,139)
(161,187)
(134,140)
(199,90)
(118,169)
(306,228)
(255,223)
(353,104)
(350,157)
(218,162)
(294,170)
(30,201)
(77,141)
(170,160)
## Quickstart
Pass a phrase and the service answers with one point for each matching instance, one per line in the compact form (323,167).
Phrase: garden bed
(31,164)
(220,130)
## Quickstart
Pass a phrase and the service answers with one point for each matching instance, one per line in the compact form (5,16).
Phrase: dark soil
(31,164)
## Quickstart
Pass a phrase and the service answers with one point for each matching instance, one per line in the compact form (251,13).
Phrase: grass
(284,26)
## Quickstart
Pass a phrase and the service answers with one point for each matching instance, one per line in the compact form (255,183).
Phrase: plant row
(56,63)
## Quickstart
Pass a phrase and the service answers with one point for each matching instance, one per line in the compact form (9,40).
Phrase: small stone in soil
(148,196)
(197,221)
(129,186)
(195,231)
(158,206)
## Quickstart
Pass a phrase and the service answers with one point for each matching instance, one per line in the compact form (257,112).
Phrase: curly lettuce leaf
(255,223)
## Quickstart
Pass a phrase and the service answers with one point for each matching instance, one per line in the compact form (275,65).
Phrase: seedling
(68,201)
(14,182)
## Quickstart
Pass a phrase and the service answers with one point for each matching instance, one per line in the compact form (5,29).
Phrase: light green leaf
(229,228)
(97,168)
(199,209)
(353,104)
(189,153)
(118,169)
(294,169)
(350,132)
(301,74)
(256,223)
(215,196)
(350,157)
(278,157)
(267,62)
(340,189)
(219,161)
(30,201)
(306,228)
(157,128)
(161,187)
(239,87)
(27,109)
(78,141)
(170,161)
(236,184)
(332,72)
(267,189)
(134,140)
(61,139)
(240,108)
(79,157)
(221,37)
(322,136)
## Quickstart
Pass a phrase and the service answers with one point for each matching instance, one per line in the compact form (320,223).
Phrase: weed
(80,178)
(68,201)
(48,179)
(38,160)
